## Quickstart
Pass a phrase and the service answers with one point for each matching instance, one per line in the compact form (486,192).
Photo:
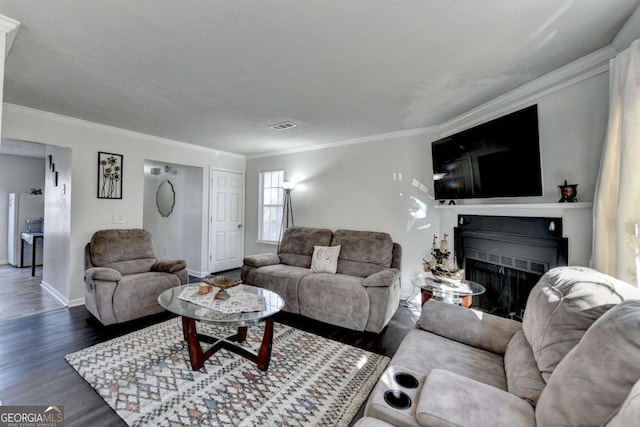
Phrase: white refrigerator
(23,206)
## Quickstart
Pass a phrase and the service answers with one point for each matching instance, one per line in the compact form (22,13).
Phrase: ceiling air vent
(283,126)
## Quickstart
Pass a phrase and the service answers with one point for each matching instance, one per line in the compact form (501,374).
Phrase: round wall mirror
(165,198)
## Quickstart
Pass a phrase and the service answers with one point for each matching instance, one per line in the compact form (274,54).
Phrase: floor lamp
(287,214)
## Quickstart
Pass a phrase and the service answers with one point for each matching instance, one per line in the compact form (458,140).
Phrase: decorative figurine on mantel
(568,192)
(439,265)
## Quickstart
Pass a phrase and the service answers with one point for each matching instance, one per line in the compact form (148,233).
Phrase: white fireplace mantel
(520,209)
(577,221)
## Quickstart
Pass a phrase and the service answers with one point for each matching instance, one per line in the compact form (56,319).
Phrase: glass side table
(459,293)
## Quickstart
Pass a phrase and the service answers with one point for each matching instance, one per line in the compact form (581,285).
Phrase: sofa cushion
(449,399)
(281,279)
(629,412)
(423,351)
(134,266)
(337,299)
(363,252)
(296,247)
(563,305)
(523,378)
(325,259)
(113,246)
(472,327)
(169,266)
(596,376)
(261,260)
(136,295)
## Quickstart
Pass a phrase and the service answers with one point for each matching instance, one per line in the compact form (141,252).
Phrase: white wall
(18,174)
(173,236)
(57,224)
(376,186)
(88,213)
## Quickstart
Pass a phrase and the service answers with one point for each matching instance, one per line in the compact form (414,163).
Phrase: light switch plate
(118,218)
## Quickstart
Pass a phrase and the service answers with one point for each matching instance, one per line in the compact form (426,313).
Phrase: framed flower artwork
(109,175)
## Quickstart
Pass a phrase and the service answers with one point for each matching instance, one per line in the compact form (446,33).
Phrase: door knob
(239,225)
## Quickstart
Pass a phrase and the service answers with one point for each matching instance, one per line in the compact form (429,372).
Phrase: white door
(226,246)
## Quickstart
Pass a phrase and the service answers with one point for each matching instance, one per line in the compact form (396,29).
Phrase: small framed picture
(109,175)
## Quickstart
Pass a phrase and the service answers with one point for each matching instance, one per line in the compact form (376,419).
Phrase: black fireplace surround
(508,255)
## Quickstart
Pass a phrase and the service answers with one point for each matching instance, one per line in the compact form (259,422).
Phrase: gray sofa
(364,293)
(123,277)
(573,361)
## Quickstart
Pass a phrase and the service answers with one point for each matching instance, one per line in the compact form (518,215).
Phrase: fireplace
(508,255)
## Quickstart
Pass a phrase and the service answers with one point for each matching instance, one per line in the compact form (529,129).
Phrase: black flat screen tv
(500,158)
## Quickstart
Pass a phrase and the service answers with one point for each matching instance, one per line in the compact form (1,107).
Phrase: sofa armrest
(468,326)
(384,277)
(261,260)
(169,265)
(449,399)
(103,273)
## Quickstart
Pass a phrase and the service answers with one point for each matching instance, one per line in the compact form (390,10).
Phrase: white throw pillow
(325,259)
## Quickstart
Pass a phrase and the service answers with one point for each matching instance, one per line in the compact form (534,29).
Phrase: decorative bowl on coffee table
(221,282)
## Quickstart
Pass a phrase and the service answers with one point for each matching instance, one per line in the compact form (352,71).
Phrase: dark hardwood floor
(33,370)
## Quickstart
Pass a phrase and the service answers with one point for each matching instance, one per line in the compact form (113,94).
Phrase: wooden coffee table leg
(264,354)
(466,301)
(195,349)
(185,328)
(241,336)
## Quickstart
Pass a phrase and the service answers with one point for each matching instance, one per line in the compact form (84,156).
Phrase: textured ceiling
(218,73)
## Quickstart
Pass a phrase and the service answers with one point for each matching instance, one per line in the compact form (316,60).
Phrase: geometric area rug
(147,380)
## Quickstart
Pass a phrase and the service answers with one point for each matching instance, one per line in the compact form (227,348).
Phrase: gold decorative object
(223,283)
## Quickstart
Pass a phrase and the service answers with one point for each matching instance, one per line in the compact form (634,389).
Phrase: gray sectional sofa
(573,361)
(362,295)
(123,277)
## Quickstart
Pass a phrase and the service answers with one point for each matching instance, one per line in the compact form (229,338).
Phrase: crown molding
(359,140)
(9,26)
(629,32)
(45,115)
(582,69)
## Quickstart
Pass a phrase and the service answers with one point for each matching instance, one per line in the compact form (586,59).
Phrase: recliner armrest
(261,260)
(103,273)
(468,326)
(449,399)
(169,265)
(384,277)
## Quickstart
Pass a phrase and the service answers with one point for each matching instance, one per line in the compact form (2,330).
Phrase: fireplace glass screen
(507,288)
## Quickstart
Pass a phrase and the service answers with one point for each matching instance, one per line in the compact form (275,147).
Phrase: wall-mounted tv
(500,158)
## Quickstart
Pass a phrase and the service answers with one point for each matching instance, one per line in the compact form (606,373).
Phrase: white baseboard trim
(57,295)
(200,274)
(76,302)
(4,261)
(54,293)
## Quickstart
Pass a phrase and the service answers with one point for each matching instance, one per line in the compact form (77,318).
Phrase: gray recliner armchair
(123,277)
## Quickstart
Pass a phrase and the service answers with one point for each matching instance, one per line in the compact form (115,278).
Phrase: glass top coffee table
(191,312)
(460,293)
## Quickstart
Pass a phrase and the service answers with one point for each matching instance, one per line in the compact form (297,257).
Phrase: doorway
(226,245)
(24,171)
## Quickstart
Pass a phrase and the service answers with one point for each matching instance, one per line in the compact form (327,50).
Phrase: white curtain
(617,199)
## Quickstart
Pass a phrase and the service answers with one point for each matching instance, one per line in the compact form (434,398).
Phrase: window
(271,201)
